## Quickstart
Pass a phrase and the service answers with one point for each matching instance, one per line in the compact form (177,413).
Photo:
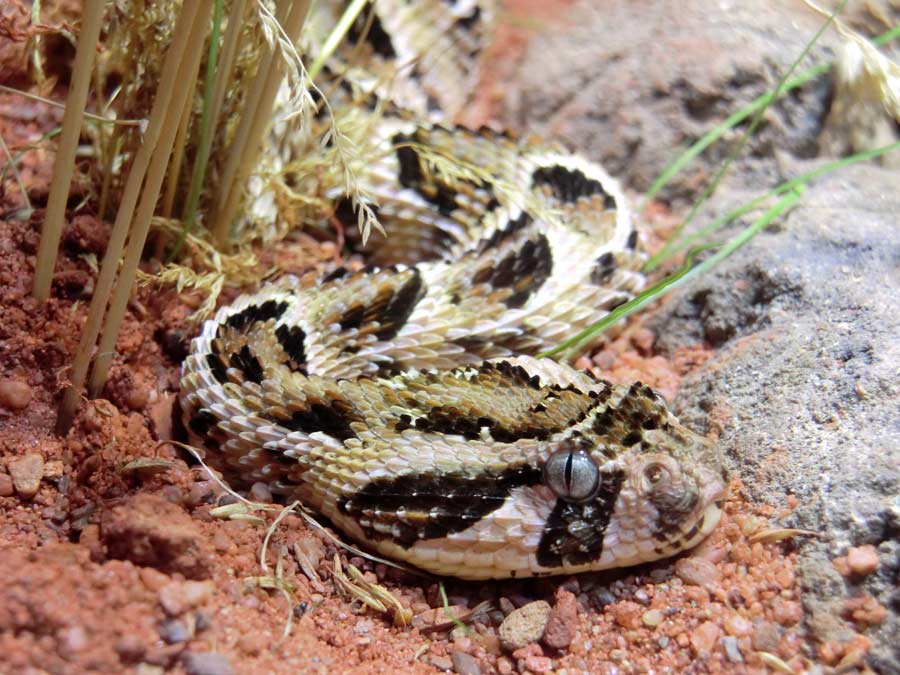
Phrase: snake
(408,402)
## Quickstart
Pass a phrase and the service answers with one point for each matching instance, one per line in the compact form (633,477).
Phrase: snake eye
(572,475)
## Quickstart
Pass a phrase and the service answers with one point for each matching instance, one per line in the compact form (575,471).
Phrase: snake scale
(405,403)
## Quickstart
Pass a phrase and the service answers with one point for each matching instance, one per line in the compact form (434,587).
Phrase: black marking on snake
(352,317)
(400,306)
(377,37)
(202,421)
(624,424)
(270,309)
(504,233)
(574,533)
(431,506)
(435,191)
(335,274)
(524,271)
(332,416)
(248,364)
(604,267)
(216,364)
(568,185)
(292,340)
(632,239)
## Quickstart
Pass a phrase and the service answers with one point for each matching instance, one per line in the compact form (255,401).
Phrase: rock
(464,664)
(178,597)
(6,485)
(151,531)
(862,560)
(441,662)
(652,618)
(804,319)
(206,663)
(26,472)
(632,95)
(703,638)
(562,622)
(732,649)
(697,571)
(15,395)
(524,625)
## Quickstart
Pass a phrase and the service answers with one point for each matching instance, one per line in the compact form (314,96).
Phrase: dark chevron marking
(400,306)
(568,185)
(524,271)
(292,341)
(604,267)
(248,364)
(270,309)
(574,533)
(433,505)
(216,365)
(202,421)
(332,416)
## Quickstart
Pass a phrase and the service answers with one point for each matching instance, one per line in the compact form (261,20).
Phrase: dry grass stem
(155,175)
(92,18)
(243,158)
(103,286)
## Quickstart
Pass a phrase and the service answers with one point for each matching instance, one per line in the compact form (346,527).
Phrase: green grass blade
(336,36)
(736,118)
(682,275)
(745,138)
(777,191)
(200,163)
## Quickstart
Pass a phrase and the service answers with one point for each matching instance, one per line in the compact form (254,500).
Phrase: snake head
(636,486)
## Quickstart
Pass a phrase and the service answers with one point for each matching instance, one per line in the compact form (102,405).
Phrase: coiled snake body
(405,403)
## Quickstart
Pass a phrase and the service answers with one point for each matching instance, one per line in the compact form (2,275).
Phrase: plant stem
(155,175)
(119,232)
(243,160)
(92,18)
(337,35)
(213,94)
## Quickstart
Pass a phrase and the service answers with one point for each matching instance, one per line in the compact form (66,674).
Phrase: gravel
(525,625)
(27,472)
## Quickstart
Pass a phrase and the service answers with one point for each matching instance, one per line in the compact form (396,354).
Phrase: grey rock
(632,84)
(464,664)
(804,391)
(206,663)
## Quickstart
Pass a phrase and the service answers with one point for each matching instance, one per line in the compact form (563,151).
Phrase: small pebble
(464,664)
(525,625)
(703,638)
(652,618)
(441,663)
(6,485)
(562,622)
(206,663)
(260,492)
(539,664)
(737,625)
(697,571)
(862,560)
(15,394)
(173,631)
(732,649)
(26,472)
(179,596)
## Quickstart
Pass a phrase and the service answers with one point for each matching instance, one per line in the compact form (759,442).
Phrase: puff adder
(404,401)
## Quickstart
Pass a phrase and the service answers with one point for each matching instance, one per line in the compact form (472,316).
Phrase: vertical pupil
(567,474)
